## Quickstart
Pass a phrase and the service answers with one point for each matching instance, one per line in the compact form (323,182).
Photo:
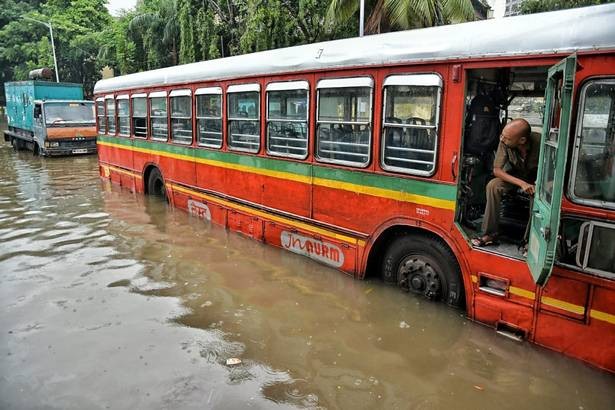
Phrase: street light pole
(53,45)
(361,16)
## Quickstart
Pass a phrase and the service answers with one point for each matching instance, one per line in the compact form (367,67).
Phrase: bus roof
(559,32)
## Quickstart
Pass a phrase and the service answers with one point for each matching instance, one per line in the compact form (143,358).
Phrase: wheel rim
(417,274)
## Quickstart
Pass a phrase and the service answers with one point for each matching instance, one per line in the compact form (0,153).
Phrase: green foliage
(391,15)
(539,6)
(161,33)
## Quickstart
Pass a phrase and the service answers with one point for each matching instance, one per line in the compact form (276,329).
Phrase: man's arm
(505,176)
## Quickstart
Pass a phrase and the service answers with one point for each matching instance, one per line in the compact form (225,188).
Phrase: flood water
(110,299)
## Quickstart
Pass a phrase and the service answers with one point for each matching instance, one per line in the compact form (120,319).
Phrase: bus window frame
(101,100)
(299,85)
(213,90)
(180,92)
(132,117)
(436,126)
(122,97)
(243,88)
(577,147)
(157,94)
(110,97)
(346,84)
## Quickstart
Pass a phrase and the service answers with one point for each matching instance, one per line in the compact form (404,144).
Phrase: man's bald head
(515,133)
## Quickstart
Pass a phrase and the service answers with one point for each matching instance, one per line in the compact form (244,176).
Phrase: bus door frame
(545,217)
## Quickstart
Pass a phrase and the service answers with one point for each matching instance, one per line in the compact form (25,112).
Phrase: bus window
(110,103)
(244,117)
(410,123)
(139,116)
(181,116)
(123,111)
(287,119)
(209,116)
(344,121)
(158,115)
(100,115)
(593,181)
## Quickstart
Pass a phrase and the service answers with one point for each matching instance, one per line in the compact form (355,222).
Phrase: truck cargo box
(20,97)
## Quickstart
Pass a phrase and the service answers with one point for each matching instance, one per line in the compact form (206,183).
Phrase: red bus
(358,153)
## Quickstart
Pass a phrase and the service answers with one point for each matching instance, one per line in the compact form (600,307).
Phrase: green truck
(49,118)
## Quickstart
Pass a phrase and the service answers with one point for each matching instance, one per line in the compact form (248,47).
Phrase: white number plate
(80,151)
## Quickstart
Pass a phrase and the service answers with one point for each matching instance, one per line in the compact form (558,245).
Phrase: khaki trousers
(496,188)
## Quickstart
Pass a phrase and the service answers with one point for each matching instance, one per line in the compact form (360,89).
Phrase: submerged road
(113,300)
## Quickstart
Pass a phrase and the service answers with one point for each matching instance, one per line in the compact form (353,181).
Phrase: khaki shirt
(511,161)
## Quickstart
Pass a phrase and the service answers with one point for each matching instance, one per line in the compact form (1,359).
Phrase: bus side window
(244,117)
(181,116)
(593,180)
(123,111)
(410,123)
(209,116)
(110,104)
(100,116)
(158,116)
(139,116)
(287,119)
(343,123)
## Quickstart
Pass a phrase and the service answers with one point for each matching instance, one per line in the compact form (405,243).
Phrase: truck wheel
(155,184)
(36,150)
(425,266)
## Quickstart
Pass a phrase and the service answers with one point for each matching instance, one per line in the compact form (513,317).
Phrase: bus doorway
(495,97)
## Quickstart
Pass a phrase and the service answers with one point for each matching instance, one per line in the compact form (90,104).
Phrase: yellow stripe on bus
(522,292)
(271,217)
(560,304)
(346,186)
(605,317)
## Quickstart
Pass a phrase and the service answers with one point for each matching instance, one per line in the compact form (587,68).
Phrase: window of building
(244,117)
(593,180)
(123,115)
(100,115)
(410,123)
(181,116)
(343,133)
(158,115)
(209,116)
(110,103)
(287,119)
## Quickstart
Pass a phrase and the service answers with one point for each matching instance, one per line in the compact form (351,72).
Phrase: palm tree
(388,15)
(159,27)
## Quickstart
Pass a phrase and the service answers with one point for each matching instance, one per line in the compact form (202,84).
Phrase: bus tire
(155,184)
(424,265)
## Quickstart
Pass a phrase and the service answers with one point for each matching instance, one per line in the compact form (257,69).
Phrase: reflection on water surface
(113,300)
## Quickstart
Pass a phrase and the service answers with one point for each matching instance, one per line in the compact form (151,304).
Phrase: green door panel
(545,217)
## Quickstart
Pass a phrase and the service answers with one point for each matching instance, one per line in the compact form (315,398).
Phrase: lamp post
(53,46)
(361,16)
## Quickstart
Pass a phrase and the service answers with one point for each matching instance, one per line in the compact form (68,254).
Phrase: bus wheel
(155,184)
(425,266)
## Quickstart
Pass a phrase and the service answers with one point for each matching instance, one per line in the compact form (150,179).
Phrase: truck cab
(64,127)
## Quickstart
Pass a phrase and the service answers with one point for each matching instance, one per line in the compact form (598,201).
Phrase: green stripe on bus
(359,177)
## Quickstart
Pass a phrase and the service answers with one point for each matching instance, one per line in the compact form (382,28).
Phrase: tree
(391,15)
(539,6)
(157,24)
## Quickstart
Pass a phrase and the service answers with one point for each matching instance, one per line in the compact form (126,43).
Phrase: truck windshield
(69,113)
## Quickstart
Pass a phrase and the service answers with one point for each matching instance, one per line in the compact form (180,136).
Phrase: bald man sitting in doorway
(515,167)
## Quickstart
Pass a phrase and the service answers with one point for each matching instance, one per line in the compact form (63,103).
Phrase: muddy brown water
(110,299)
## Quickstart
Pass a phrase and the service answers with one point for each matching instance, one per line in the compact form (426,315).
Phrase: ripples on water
(112,300)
